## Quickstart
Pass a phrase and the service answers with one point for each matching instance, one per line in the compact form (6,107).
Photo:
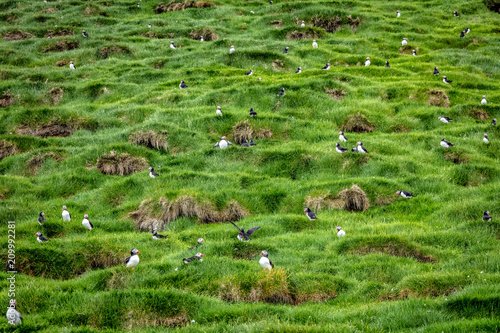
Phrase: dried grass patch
(479,114)
(7,149)
(61,45)
(120,164)
(327,23)
(438,98)
(354,23)
(6,99)
(175,6)
(106,51)
(337,94)
(278,65)
(207,33)
(149,139)
(355,199)
(357,123)
(457,157)
(320,202)
(303,34)
(51,129)
(17,35)
(244,130)
(137,319)
(55,95)
(62,63)
(59,33)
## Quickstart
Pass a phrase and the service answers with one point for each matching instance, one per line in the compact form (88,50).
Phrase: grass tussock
(61,45)
(137,319)
(355,199)
(353,22)
(106,51)
(55,95)
(59,33)
(320,202)
(175,6)
(337,94)
(36,161)
(479,114)
(152,215)
(493,5)
(17,35)
(52,129)
(149,139)
(62,63)
(457,157)
(438,98)
(6,99)
(120,164)
(207,33)
(7,149)
(276,23)
(244,130)
(358,123)
(330,24)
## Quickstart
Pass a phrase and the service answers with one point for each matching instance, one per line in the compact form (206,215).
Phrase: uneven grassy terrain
(426,264)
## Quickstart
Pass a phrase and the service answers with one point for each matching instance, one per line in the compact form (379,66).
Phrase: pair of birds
(359,148)
(219,112)
(246,143)
(445,79)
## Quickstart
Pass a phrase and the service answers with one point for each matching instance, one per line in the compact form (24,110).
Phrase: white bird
(404,42)
(445,120)
(65,214)
(223,143)
(342,137)
(446,144)
(152,172)
(172,45)
(71,65)
(13,316)
(219,111)
(40,238)
(133,260)
(315,45)
(361,149)
(231,50)
(265,262)
(201,38)
(303,24)
(398,14)
(367,62)
(340,233)
(483,101)
(485,139)
(86,222)
(149,25)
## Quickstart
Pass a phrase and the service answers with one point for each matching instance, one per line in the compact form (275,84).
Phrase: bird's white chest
(134,260)
(483,101)
(86,224)
(398,15)
(172,46)
(444,121)
(71,66)
(367,63)
(223,144)
(151,175)
(361,149)
(265,263)
(338,150)
(342,138)
(444,144)
(66,217)
(240,238)
(404,42)
(315,45)
(341,233)
(13,316)
(485,140)
(231,50)
(444,81)
(219,113)
(39,240)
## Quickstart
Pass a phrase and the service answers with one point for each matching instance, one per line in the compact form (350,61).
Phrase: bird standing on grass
(133,260)
(310,214)
(486,216)
(223,143)
(446,144)
(405,194)
(286,49)
(342,137)
(326,67)
(404,41)
(40,237)
(445,80)
(303,24)
(86,222)
(414,53)
(219,111)
(245,143)
(201,38)
(367,62)
(361,149)
(245,236)
(340,232)
(197,256)
(149,25)
(483,101)
(250,72)
(200,242)
(455,13)
(467,30)
(339,149)
(398,14)
(182,85)
(65,214)
(485,139)
(387,64)
(85,34)
(494,122)
(298,70)
(462,34)
(172,45)
(152,172)
(13,316)
(314,44)
(252,113)
(71,65)
(157,235)
(231,50)
(265,262)
(252,143)
(282,92)
(445,120)
(436,71)
(41,218)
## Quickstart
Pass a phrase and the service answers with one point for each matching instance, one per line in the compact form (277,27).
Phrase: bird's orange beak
(202,255)
(35,234)
(260,253)
(139,252)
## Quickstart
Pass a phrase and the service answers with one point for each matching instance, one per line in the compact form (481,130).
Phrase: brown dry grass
(320,202)
(303,34)
(149,139)
(207,33)
(457,157)
(6,99)
(137,319)
(51,129)
(479,114)
(354,23)
(263,133)
(62,63)
(151,215)
(357,123)
(407,49)
(158,65)
(355,199)
(61,45)
(241,131)
(59,33)
(17,35)
(337,94)
(122,164)
(276,23)
(174,6)
(278,65)
(438,98)
(384,201)
(109,50)
(327,23)
(7,149)
(55,95)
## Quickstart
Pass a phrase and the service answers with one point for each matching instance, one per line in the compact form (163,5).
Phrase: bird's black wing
(161,236)
(251,231)
(43,239)
(272,265)
(408,194)
(91,225)
(237,226)
(128,259)
(312,215)
(69,215)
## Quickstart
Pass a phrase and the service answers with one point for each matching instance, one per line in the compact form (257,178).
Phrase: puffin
(462,34)
(138,4)
(286,49)
(40,237)
(404,42)
(71,65)
(172,45)
(252,143)
(485,139)
(245,143)
(201,38)
(342,137)
(182,85)
(65,214)
(354,149)
(231,50)
(314,44)
(414,52)
(133,260)
(86,222)
(265,262)
(445,79)
(219,111)
(244,236)
(494,122)
(252,112)
(157,235)
(326,67)
(152,172)
(486,216)
(361,148)
(455,13)
(467,30)
(223,143)
(340,232)
(197,256)
(483,101)
(149,25)
(282,92)
(298,70)
(85,34)
(41,218)
(13,316)
(398,14)
(445,120)
(446,144)
(367,62)
(387,64)
(310,214)
(250,72)
(340,149)
(436,71)
(303,24)
(200,242)
(405,194)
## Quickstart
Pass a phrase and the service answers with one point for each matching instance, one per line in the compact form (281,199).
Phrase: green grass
(427,264)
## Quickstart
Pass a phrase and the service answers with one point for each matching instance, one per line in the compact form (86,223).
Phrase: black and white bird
(405,194)
(342,137)
(298,70)
(467,30)
(445,79)
(436,71)
(340,232)
(361,148)
(41,218)
(199,243)
(326,67)
(71,65)
(485,138)
(13,316)
(40,238)
(223,143)
(219,111)
(404,41)
(201,38)
(245,143)
(197,256)
(172,45)
(149,25)
(152,172)
(455,13)
(398,14)
(250,72)
(265,262)
(314,44)
(182,85)
(445,120)
(414,52)
(310,214)
(245,236)
(446,144)
(282,92)
(252,143)
(494,122)
(303,24)
(286,49)
(231,50)
(354,149)
(339,149)
(138,4)
(483,101)
(462,34)
(85,34)
(157,235)
(387,63)
(367,62)
(133,260)
(486,216)
(86,222)
(66,216)
(252,112)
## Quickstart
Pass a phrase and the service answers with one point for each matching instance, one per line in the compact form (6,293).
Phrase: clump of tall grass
(7,149)
(149,139)
(120,164)
(175,6)
(355,199)
(358,123)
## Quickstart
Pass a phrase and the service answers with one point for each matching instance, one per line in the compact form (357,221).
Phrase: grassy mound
(120,164)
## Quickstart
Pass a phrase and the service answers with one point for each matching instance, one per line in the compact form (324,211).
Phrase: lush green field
(426,264)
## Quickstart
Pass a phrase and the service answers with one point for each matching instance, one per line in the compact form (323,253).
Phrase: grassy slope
(458,293)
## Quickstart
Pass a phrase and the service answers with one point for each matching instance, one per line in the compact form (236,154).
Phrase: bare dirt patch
(358,123)
(207,33)
(457,157)
(51,129)
(6,99)
(330,24)
(337,94)
(109,50)
(438,98)
(303,34)
(120,164)
(354,23)
(479,114)
(61,45)
(55,95)
(62,63)
(59,33)
(7,149)
(17,35)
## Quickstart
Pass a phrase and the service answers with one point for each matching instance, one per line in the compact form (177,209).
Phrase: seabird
(445,120)
(85,34)
(483,101)
(231,50)
(398,14)
(286,49)
(219,111)
(494,122)
(404,42)
(340,149)
(242,235)
(387,63)
(326,67)
(41,218)
(455,13)
(152,172)
(182,85)
(65,214)
(149,25)
(462,34)
(250,72)
(314,44)
(436,71)
(172,45)
(485,139)
(303,24)
(40,237)
(133,260)
(446,144)
(86,222)
(367,62)
(340,232)
(200,242)
(157,235)
(298,70)
(282,92)
(265,262)
(252,143)
(354,149)
(414,52)
(342,137)
(445,79)
(197,256)
(252,112)
(223,143)
(486,216)
(138,4)
(245,143)
(361,148)
(201,38)
(310,214)
(71,65)
(405,194)
(467,30)
(13,316)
